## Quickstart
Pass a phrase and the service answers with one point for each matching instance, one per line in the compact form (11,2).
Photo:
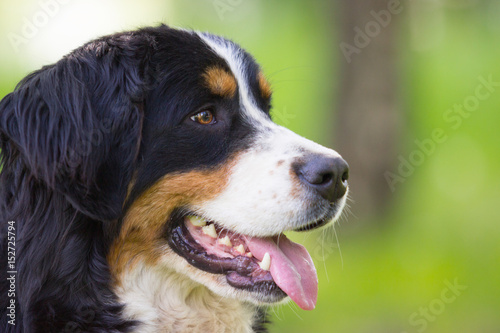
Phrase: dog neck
(165,301)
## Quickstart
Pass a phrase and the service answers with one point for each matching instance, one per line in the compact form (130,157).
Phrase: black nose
(325,175)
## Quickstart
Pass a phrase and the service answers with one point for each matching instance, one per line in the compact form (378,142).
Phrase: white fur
(166,301)
(263,198)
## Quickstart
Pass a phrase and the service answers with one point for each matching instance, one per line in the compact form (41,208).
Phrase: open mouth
(273,267)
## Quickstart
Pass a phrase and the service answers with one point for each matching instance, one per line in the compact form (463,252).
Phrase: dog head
(165,135)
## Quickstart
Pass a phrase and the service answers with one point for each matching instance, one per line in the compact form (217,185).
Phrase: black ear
(76,125)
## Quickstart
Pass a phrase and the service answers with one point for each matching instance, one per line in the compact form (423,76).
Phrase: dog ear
(76,125)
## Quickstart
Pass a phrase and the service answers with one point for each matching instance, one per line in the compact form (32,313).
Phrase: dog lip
(241,272)
(320,222)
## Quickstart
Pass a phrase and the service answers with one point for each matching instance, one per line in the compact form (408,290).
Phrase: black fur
(72,136)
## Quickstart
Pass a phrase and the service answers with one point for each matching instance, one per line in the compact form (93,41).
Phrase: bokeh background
(407,91)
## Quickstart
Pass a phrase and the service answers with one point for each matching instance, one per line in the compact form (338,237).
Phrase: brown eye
(204,117)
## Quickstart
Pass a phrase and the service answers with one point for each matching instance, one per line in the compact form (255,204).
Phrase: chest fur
(169,302)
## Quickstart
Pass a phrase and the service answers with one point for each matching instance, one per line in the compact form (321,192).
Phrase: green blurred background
(383,269)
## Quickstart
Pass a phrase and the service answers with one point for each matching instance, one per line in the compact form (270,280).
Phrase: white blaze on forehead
(279,136)
(234,56)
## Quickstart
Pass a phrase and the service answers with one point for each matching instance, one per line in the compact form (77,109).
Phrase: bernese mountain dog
(145,188)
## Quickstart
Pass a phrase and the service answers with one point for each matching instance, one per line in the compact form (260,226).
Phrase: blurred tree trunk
(367,125)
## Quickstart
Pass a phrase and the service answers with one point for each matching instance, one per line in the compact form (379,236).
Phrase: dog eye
(204,117)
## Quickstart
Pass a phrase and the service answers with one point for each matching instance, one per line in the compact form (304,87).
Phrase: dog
(145,188)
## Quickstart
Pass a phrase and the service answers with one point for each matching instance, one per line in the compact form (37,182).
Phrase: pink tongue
(291,268)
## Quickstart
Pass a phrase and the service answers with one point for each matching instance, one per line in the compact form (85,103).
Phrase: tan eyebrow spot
(220,82)
(264,86)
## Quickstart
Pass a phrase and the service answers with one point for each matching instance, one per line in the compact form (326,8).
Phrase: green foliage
(444,224)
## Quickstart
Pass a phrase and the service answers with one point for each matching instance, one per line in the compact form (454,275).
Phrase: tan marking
(220,82)
(264,86)
(140,236)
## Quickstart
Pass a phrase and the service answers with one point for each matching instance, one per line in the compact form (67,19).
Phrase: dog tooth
(209,230)
(225,241)
(265,264)
(240,249)
(197,221)
(249,254)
